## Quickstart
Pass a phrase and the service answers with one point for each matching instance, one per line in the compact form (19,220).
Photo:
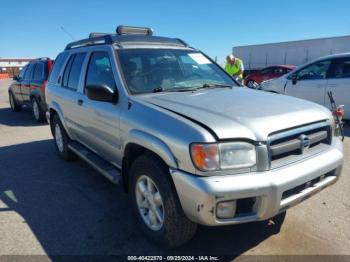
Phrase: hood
(239,112)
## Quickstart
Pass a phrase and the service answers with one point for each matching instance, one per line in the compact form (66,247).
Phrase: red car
(266,74)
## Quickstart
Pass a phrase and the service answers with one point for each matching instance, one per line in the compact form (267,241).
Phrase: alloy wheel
(58,137)
(149,203)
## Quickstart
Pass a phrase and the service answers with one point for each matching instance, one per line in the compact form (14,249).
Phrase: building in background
(12,66)
(295,53)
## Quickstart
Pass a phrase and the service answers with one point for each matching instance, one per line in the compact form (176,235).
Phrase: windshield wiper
(161,89)
(206,85)
(184,89)
(158,89)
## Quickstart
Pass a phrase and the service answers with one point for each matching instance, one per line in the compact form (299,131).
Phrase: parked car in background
(189,145)
(28,88)
(313,80)
(252,80)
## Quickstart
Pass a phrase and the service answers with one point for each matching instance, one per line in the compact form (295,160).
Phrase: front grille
(295,144)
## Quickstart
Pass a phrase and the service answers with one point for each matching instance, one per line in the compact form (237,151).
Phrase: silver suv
(189,145)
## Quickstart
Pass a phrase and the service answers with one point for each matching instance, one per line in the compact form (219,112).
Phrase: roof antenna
(67,33)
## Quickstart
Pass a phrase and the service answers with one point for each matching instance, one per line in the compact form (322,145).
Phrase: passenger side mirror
(16,77)
(101,92)
(294,78)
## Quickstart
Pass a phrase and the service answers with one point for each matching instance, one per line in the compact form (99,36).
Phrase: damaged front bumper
(260,195)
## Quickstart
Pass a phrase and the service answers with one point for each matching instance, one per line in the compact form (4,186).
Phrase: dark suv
(28,89)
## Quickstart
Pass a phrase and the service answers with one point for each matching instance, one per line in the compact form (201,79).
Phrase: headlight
(233,155)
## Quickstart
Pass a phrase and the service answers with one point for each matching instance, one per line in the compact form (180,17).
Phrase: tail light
(44,85)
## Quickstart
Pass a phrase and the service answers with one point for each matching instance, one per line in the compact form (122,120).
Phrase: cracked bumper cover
(200,195)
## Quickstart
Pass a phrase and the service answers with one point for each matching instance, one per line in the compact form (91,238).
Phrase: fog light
(226,209)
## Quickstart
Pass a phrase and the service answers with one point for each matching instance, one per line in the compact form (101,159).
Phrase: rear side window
(100,71)
(29,72)
(341,68)
(61,58)
(72,71)
(39,72)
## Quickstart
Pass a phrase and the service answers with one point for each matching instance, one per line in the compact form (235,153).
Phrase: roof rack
(95,34)
(134,30)
(103,39)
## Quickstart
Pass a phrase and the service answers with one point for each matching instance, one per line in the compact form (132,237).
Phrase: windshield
(155,70)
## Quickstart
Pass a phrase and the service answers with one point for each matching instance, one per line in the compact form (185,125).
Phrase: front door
(310,82)
(25,83)
(99,121)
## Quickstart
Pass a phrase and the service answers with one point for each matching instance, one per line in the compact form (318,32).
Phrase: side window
(341,68)
(61,58)
(314,71)
(29,72)
(67,71)
(75,71)
(21,74)
(278,71)
(39,72)
(99,71)
(266,71)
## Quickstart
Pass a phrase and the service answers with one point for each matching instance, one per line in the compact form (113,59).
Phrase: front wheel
(15,106)
(156,204)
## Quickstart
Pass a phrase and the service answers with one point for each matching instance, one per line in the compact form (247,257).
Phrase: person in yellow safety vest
(235,68)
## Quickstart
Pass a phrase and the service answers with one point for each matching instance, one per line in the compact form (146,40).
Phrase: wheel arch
(139,143)
(53,110)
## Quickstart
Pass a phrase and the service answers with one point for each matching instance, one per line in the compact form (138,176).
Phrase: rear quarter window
(55,72)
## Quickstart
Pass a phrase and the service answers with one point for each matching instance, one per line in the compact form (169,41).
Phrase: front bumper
(275,190)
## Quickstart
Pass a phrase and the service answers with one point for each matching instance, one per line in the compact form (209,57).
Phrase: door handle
(80,102)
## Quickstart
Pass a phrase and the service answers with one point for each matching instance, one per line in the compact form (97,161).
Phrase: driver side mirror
(16,77)
(101,92)
(294,78)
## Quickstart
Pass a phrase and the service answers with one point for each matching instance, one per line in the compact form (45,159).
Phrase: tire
(251,84)
(61,139)
(38,113)
(15,106)
(176,229)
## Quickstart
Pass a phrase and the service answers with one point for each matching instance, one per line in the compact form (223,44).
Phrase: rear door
(339,83)
(69,98)
(25,84)
(311,82)
(36,83)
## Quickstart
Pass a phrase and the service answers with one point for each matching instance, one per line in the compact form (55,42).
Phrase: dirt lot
(48,206)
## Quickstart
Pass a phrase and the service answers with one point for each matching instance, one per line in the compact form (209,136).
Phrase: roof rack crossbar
(97,34)
(134,30)
(105,39)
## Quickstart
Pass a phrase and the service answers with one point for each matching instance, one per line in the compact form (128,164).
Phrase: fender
(56,107)
(35,93)
(153,144)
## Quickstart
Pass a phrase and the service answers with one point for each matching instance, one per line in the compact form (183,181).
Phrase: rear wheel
(156,204)
(38,114)
(61,139)
(15,106)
